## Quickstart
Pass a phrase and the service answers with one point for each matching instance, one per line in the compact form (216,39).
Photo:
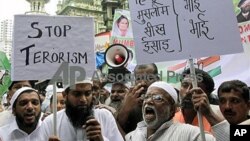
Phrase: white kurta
(169,131)
(66,131)
(6,117)
(11,132)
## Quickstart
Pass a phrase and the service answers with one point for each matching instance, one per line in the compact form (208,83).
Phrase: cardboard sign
(182,29)
(42,43)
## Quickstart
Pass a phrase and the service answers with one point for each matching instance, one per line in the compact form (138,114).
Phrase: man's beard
(78,115)
(116,104)
(102,99)
(22,125)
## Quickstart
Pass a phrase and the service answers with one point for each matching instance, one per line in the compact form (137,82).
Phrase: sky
(8,8)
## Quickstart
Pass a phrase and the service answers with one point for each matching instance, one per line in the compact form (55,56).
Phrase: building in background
(6,27)
(109,7)
(101,10)
(37,7)
(88,8)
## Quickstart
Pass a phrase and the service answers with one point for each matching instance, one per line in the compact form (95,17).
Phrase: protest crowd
(148,110)
(140,107)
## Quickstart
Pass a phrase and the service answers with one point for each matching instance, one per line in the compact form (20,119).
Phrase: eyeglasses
(154,97)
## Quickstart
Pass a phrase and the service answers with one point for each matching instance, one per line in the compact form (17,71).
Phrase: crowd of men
(150,110)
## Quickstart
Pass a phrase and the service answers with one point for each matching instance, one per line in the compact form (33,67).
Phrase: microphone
(88,118)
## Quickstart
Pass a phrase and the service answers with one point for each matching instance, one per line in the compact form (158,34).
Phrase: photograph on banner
(4,73)
(41,44)
(175,30)
(242,10)
(122,34)
(122,24)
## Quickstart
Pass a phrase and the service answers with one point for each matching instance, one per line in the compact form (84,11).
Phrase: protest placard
(42,43)
(181,29)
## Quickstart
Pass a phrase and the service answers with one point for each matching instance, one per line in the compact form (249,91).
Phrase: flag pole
(194,83)
(54,109)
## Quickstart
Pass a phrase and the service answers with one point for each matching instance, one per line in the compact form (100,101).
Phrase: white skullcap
(87,80)
(59,90)
(17,93)
(167,87)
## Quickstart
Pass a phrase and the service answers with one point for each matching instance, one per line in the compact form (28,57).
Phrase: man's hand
(133,97)
(93,130)
(45,115)
(201,104)
(200,101)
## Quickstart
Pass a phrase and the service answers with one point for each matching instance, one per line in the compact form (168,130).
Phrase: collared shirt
(66,131)
(246,122)
(169,131)
(11,132)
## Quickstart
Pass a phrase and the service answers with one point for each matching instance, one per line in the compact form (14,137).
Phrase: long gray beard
(116,104)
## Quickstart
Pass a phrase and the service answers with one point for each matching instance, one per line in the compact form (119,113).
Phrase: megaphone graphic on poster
(116,57)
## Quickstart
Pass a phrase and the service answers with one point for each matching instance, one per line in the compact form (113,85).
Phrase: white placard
(42,43)
(181,29)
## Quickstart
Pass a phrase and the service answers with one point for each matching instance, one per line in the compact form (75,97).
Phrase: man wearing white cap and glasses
(79,121)
(26,107)
(158,111)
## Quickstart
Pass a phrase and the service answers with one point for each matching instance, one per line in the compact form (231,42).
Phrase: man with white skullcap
(79,121)
(6,116)
(158,109)
(26,107)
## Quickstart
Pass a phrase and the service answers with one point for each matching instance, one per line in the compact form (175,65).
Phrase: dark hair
(120,18)
(27,91)
(32,83)
(204,78)
(241,2)
(153,65)
(67,90)
(235,85)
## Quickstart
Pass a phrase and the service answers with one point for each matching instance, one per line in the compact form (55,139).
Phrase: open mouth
(149,113)
(29,116)
(82,107)
(116,100)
